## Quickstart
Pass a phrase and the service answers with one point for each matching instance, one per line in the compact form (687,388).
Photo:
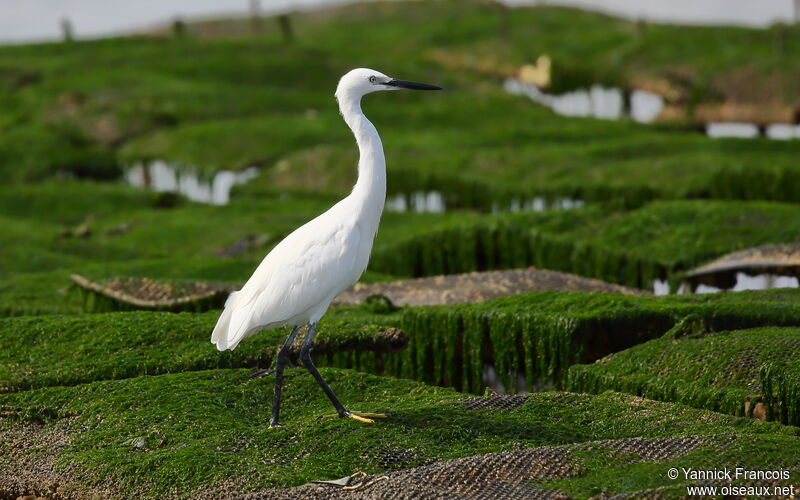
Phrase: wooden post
(641,26)
(797,11)
(780,38)
(285,24)
(255,16)
(178,28)
(66,29)
(504,28)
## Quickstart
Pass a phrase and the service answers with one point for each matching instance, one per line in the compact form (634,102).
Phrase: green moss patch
(539,335)
(780,383)
(104,231)
(70,224)
(210,103)
(632,471)
(52,292)
(66,350)
(143,293)
(657,241)
(174,434)
(615,468)
(729,371)
(54,230)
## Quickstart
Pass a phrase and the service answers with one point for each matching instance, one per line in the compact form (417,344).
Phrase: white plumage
(298,279)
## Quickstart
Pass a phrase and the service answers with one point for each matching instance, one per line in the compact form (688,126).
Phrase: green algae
(661,240)
(174,434)
(540,335)
(537,335)
(66,350)
(730,371)
(780,388)
(126,234)
(606,470)
(222,102)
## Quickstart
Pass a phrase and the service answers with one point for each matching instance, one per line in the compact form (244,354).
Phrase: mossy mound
(65,350)
(539,335)
(144,293)
(658,241)
(52,292)
(125,294)
(124,233)
(39,251)
(210,103)
(475,287)
(627,468)
(191,433)
(74,225)
(732,371)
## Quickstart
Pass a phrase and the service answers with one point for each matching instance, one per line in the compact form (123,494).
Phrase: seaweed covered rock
(205,435)
(530,340)
(742,372)
(120,294)
(65,350)
(475,287)
(561,473)
(181,245)
(659,241)
(143,293)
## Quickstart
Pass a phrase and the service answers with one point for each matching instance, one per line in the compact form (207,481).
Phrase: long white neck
(369,193)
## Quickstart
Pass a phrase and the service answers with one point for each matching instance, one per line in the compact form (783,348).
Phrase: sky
(31,20)
(740,12)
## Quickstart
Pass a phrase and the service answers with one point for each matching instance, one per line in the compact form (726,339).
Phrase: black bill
(411,85)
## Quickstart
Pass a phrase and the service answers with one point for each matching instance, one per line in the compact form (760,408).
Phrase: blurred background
(43,19)
(633,142)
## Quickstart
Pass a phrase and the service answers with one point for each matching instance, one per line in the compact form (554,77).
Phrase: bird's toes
(370,415)
(358,417)
(348,414)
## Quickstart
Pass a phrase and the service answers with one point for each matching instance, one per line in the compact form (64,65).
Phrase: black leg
(283,360)
(305,358)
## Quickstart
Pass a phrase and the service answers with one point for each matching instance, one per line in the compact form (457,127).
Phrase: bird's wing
(310,266)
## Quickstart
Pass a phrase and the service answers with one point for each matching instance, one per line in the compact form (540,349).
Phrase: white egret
(298,279)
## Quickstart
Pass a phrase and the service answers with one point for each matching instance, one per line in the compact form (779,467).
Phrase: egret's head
(363,81)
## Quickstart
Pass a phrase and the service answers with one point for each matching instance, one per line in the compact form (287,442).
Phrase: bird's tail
(220,335)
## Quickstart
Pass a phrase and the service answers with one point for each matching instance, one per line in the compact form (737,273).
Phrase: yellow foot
(360,416)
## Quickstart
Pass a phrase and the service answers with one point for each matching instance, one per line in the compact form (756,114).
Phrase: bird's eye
(373,79)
